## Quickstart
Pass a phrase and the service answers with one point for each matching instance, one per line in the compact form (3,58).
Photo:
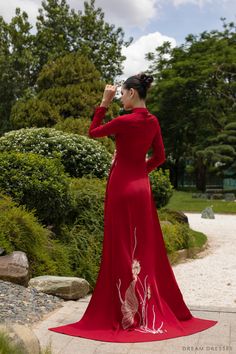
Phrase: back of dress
(136,297)
(134,133)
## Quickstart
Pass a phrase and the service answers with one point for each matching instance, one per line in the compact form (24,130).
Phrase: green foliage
(37,182)
(61,30)
(71,84)
(108,143)
(6,345)
(21,231)
(162,189)
(16,63)
(68,87)
(78,126)
(33,113)
(80,155)
(85,233)
(175,216)
(176,236)
(84,253)
(183,201)
(89,194)
(81,127)
(194,92)
(222,151)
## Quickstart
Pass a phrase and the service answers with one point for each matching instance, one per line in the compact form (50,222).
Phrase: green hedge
(176,236)
(80,155)
(37,182)
(161,187)
(21,231)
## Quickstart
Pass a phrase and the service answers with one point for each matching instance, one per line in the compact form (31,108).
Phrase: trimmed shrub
(176,236)
(72,84)
(37,182)
(81,126)
(173,215)
(21,231)
(72,125)
(80,155)
(162,188)
(33,113)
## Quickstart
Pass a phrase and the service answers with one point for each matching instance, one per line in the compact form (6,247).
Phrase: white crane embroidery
(130,305)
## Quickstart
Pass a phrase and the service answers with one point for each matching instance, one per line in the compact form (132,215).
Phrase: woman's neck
(139,104)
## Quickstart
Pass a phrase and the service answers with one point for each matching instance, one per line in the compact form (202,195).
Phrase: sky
(149,22)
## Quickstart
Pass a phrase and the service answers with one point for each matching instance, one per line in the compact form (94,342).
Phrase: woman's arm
(96,130)
(158,154)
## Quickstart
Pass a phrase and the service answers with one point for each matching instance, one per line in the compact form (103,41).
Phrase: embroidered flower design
(130,303)
(129,306)
(135,268)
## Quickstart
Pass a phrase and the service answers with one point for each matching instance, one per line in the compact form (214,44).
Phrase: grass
(6,347)
(183,201)
(198,239)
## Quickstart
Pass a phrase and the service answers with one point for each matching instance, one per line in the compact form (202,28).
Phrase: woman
(136,297)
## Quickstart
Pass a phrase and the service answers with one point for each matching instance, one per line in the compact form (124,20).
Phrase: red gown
(136,297)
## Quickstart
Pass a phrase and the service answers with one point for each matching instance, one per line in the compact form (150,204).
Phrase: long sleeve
(158,154)
(97,130)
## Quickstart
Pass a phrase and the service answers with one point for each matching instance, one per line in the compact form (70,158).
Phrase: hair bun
(145,80)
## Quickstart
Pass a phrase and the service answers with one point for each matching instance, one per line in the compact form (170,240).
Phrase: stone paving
(220,338)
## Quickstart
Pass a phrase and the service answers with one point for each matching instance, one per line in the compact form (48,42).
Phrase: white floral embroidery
(130,304)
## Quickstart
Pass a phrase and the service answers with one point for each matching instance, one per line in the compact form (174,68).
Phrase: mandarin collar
(139,110)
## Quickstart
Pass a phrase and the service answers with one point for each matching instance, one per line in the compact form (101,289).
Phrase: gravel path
(210,280)
(24,305)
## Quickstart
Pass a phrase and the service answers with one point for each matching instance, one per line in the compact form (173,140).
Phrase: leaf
(130,306)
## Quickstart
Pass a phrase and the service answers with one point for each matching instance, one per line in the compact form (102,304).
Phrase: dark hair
(141,82)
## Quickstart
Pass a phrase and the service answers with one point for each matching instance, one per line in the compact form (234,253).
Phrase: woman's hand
(108,95)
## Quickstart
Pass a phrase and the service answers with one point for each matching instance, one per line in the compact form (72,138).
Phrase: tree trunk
(201,175)
(174,174)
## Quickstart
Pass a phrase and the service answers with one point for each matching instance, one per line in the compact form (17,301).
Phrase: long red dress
(136,297)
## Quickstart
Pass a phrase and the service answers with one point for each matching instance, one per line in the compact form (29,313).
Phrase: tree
(61,30)
(69,86)
(194,96)
(16,63)
(222,150)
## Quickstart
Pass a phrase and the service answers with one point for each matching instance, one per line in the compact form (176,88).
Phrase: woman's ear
(132,92)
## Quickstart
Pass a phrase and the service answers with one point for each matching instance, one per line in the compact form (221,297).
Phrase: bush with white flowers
(80,155)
